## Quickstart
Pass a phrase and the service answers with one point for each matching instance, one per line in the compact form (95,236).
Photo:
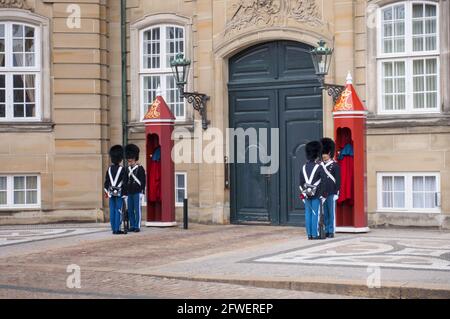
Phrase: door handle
(227,172)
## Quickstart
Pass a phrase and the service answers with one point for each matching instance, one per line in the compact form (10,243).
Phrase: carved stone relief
(19,4)
(247,13)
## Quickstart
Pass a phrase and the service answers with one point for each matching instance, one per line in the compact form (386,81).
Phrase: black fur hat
(116,154)
(328,146)
(132,151)
(313,150)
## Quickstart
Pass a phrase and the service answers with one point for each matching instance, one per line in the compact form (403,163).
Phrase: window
(180,188)
(19,72)
(19,191)
(159,45)
(409,58)
(414,192)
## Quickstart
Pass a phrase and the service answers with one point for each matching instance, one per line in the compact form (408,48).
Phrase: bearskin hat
(116,154)
(132,152)
(313,150)
(328,146)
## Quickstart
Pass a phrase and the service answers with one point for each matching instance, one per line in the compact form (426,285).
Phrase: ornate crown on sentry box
(159,111)
(349,100)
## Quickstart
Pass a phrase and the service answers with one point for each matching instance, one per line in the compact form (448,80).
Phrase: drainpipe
(123,37)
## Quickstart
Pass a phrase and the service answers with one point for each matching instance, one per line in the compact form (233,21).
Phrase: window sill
(407,120)
(430,211)
(21,127)
(139,127)
(20,209)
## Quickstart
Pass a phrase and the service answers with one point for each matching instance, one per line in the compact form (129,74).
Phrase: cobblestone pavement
(39,269)
(229,261)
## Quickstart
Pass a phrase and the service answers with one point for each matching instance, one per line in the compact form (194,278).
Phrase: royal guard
(330,185)
(115,188)
(136,182)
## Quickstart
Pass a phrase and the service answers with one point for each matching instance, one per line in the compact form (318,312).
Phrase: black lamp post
(321,57)
(180,69)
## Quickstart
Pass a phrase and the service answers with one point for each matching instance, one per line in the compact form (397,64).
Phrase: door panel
(300,122)
(254,196)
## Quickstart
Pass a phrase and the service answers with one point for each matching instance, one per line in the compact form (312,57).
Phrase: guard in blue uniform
(136,182)
(115,188)
(330,184)
(310,188)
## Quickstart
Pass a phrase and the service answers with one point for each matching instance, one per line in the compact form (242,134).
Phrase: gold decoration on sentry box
(155,110)
(343,103)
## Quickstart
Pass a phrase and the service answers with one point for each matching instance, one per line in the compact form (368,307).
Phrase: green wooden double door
(272,85)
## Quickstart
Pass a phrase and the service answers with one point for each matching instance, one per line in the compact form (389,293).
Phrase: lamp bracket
(333,90)
(198,101)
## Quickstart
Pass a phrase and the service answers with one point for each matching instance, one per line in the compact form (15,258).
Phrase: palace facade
(61,106)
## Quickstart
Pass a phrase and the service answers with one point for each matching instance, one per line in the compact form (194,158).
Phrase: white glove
(335,197)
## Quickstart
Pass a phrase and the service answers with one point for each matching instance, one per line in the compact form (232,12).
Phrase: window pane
(387,14)
(2,96)
(19,110)
(417,10)
(18,46)
(180,181)
(388,71)
(399,200)
(387,184)
(31,182)
(30,110)
(399,12)
(430,184)
(399,183)
(430,10)
(180,195)
(31,197)
(29,32)
(417,184)
(18,81)
(388,46)
(3,198)
(17,31)
(19,197)
(19,182)
(431,66)
(19,96)
(2,183)
(2,30)
(417,27)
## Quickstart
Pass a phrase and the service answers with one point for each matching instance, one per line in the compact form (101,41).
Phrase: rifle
(322,231)
(126,221)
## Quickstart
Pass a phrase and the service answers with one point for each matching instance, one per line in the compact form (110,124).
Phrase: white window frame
(408,56)
(10,193)
(163,69)
(408,192)
(9,70)
(185,188)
